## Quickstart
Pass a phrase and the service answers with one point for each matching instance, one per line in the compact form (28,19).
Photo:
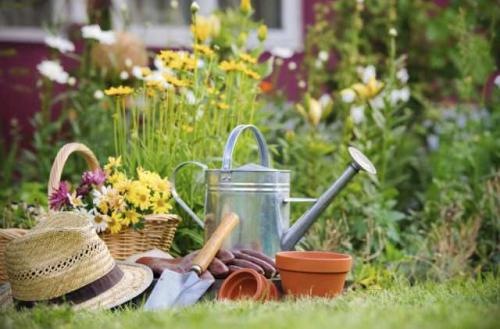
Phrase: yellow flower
(187,128)
(160,204)
(374,87)
(212,90)
(119,91)
(138,195)
(370,90)
(145,71)
(130,217)
(232,65)
(205,50)
(114,200)
(246,6)
(147,177)
(177,60)
(205,27)
(222,106)
(113,163)
(123,186)
(162,185)
(154,84)
(103,207)
(114,223)
(262,33)
(117,177)
(175,81)
(315,111)
(248,58)
(252,74)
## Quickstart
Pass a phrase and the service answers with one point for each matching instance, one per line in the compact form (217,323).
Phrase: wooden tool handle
(207,253)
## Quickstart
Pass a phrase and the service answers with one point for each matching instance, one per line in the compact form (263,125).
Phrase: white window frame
(161,36)
(77,15)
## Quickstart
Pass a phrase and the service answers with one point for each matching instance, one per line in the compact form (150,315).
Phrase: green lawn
(457,304)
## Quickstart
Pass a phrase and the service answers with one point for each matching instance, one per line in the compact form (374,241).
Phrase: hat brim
(136,279)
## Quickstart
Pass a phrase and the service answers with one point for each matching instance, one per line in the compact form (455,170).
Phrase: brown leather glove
(223,264)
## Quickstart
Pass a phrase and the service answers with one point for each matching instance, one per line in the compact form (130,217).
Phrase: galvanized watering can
(260,195)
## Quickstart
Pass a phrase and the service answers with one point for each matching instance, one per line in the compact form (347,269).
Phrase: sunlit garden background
(415,85)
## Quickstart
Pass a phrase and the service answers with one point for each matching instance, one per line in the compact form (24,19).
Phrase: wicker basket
(158,231)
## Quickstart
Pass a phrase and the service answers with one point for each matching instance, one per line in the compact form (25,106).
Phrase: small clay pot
(247,284)
(313,273)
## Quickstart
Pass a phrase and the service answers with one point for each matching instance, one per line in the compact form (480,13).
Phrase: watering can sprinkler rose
(260,196)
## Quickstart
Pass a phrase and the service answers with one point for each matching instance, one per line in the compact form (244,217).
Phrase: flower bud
(194,7)
(262,33)
(246,6)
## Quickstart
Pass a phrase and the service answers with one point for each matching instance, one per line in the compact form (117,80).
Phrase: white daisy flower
(377,102)
(404,94)
(98,194)
(71,81)
(357,114)
(124,75)
(84,212)
(292,66)
(75,201)
(325,100)
(323,55)
(348,95)
(189,95)
(282,52)
(53,71)
(95,32)
(59,43)
(98,94)
(99,221)
(402,75)
(367,73)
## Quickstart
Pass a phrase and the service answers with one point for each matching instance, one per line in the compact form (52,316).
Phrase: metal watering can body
(260,195)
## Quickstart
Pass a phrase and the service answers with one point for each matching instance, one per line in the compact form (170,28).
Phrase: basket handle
(62,157)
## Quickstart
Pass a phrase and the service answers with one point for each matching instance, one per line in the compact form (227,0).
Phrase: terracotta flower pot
(247,284)
(313,273)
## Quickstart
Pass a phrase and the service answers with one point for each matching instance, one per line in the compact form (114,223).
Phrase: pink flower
(96,177)
(60,197)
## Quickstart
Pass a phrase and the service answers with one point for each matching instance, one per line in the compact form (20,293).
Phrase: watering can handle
(176,196)
(227,157)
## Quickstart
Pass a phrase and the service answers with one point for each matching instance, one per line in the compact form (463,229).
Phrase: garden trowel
(175,289)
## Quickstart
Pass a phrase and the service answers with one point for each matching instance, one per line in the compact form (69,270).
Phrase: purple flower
(96,177)
(59,198)
(83,190)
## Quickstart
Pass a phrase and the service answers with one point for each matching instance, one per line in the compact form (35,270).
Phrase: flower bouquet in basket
(129,213)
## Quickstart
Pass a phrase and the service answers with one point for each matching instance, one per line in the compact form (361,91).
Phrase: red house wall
(19,95)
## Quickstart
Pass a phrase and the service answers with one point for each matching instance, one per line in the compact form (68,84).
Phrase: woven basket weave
(158,231)
(6,235)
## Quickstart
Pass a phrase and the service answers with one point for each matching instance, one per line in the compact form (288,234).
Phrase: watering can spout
(360,162)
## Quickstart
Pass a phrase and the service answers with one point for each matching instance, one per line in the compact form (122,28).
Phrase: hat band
(84,293)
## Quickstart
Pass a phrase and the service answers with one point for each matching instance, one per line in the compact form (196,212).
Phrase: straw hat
(63,259)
